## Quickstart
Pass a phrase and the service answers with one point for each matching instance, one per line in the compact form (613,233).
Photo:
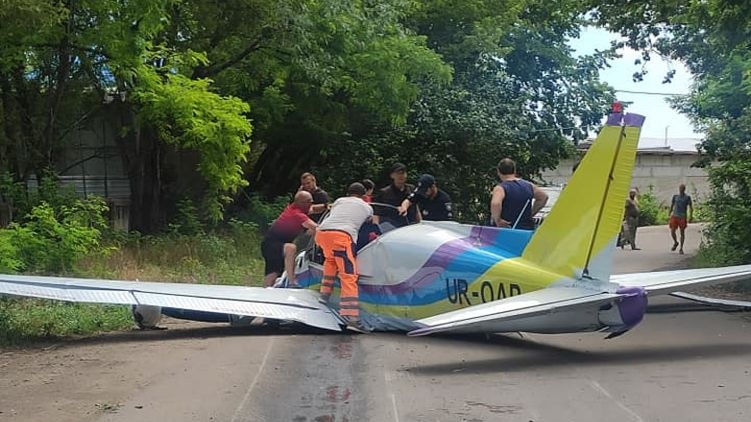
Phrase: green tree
(311,70)
(713,39)
(523,95)
(52,79)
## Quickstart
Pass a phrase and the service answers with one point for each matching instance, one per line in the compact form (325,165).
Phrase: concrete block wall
(663,170)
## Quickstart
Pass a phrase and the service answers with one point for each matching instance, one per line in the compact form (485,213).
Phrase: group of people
(514,203)
(681,212)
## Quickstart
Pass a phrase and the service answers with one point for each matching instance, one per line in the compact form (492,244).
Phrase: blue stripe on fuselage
(492,246)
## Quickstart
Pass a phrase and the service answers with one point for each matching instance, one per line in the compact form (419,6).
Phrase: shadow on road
(539,356)
(178,332)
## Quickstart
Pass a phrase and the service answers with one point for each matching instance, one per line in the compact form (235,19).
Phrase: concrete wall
(663,170)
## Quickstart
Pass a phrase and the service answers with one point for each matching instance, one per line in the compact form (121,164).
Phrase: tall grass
(227,255)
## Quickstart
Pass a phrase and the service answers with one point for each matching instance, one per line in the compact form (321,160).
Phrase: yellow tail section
(578,237)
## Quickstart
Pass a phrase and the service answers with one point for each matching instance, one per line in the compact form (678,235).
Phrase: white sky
(659,114)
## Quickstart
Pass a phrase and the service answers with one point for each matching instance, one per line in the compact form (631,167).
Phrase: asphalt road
(683,363)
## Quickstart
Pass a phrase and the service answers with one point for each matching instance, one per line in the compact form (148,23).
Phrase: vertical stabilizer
(578,237)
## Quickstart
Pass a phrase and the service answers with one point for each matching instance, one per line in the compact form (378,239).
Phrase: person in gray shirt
(681,210)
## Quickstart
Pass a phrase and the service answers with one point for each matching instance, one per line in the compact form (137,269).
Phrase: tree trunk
(143,156)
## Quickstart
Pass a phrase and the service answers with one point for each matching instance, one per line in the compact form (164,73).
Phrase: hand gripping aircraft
(437,277)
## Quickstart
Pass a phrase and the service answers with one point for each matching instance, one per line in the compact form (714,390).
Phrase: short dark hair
(356,189)
(398,167)
(368,184)
(506,166)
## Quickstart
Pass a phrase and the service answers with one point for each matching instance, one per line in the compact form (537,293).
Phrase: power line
(664,94)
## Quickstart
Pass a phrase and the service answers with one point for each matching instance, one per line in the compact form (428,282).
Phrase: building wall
(662,170)
(92,165)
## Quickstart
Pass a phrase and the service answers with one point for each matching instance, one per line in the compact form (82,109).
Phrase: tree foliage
(713,38)
(342,88)
(52,80)
(527,98)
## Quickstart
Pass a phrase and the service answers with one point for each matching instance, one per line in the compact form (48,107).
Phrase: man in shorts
(681,211)
(278,247)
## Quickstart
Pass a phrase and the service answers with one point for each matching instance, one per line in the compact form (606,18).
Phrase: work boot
(355,326)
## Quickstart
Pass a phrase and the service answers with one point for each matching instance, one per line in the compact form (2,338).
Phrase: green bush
(263,213)
(651,211)
(9,259)
(52,240)
(24,199)
(186,219)
(701,212)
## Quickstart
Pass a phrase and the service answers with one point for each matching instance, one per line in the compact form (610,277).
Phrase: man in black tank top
(515,201)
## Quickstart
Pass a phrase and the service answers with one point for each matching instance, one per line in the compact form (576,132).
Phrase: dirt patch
(80,379)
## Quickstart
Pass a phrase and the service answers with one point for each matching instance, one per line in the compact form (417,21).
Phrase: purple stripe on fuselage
(479,238)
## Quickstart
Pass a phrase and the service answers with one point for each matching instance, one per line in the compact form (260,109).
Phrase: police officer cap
(425,182)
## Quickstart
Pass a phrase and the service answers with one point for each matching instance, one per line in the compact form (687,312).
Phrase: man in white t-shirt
(337,236)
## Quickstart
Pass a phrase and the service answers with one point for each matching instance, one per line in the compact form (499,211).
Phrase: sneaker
(675,246)
(354,325)
(680,251)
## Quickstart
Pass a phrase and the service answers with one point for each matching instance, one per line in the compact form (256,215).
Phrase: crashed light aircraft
(437,277)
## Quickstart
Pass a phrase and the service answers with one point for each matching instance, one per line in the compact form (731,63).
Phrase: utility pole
(666,135)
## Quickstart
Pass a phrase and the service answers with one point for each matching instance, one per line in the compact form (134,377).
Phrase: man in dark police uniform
(433,203)
(394,194)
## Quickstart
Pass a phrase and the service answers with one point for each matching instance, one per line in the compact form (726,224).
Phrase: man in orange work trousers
(337,236)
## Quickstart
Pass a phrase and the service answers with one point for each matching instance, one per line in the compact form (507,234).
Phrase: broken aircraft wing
(299,305)
(665,282)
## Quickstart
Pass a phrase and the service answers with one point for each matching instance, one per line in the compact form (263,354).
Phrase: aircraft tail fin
(578,237)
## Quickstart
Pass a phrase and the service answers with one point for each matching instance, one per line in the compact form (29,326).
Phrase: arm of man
(405,206)
(496,201)
(310,225)
(540,197)
(690,209)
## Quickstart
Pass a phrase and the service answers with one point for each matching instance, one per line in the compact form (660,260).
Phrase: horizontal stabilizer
(665,282)
(284,304)
(723,304)
(494,317)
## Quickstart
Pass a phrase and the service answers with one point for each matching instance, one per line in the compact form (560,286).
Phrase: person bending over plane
(433,203)
(515,201)
(681,210)
(393,195)
(277,247)
(337,236)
